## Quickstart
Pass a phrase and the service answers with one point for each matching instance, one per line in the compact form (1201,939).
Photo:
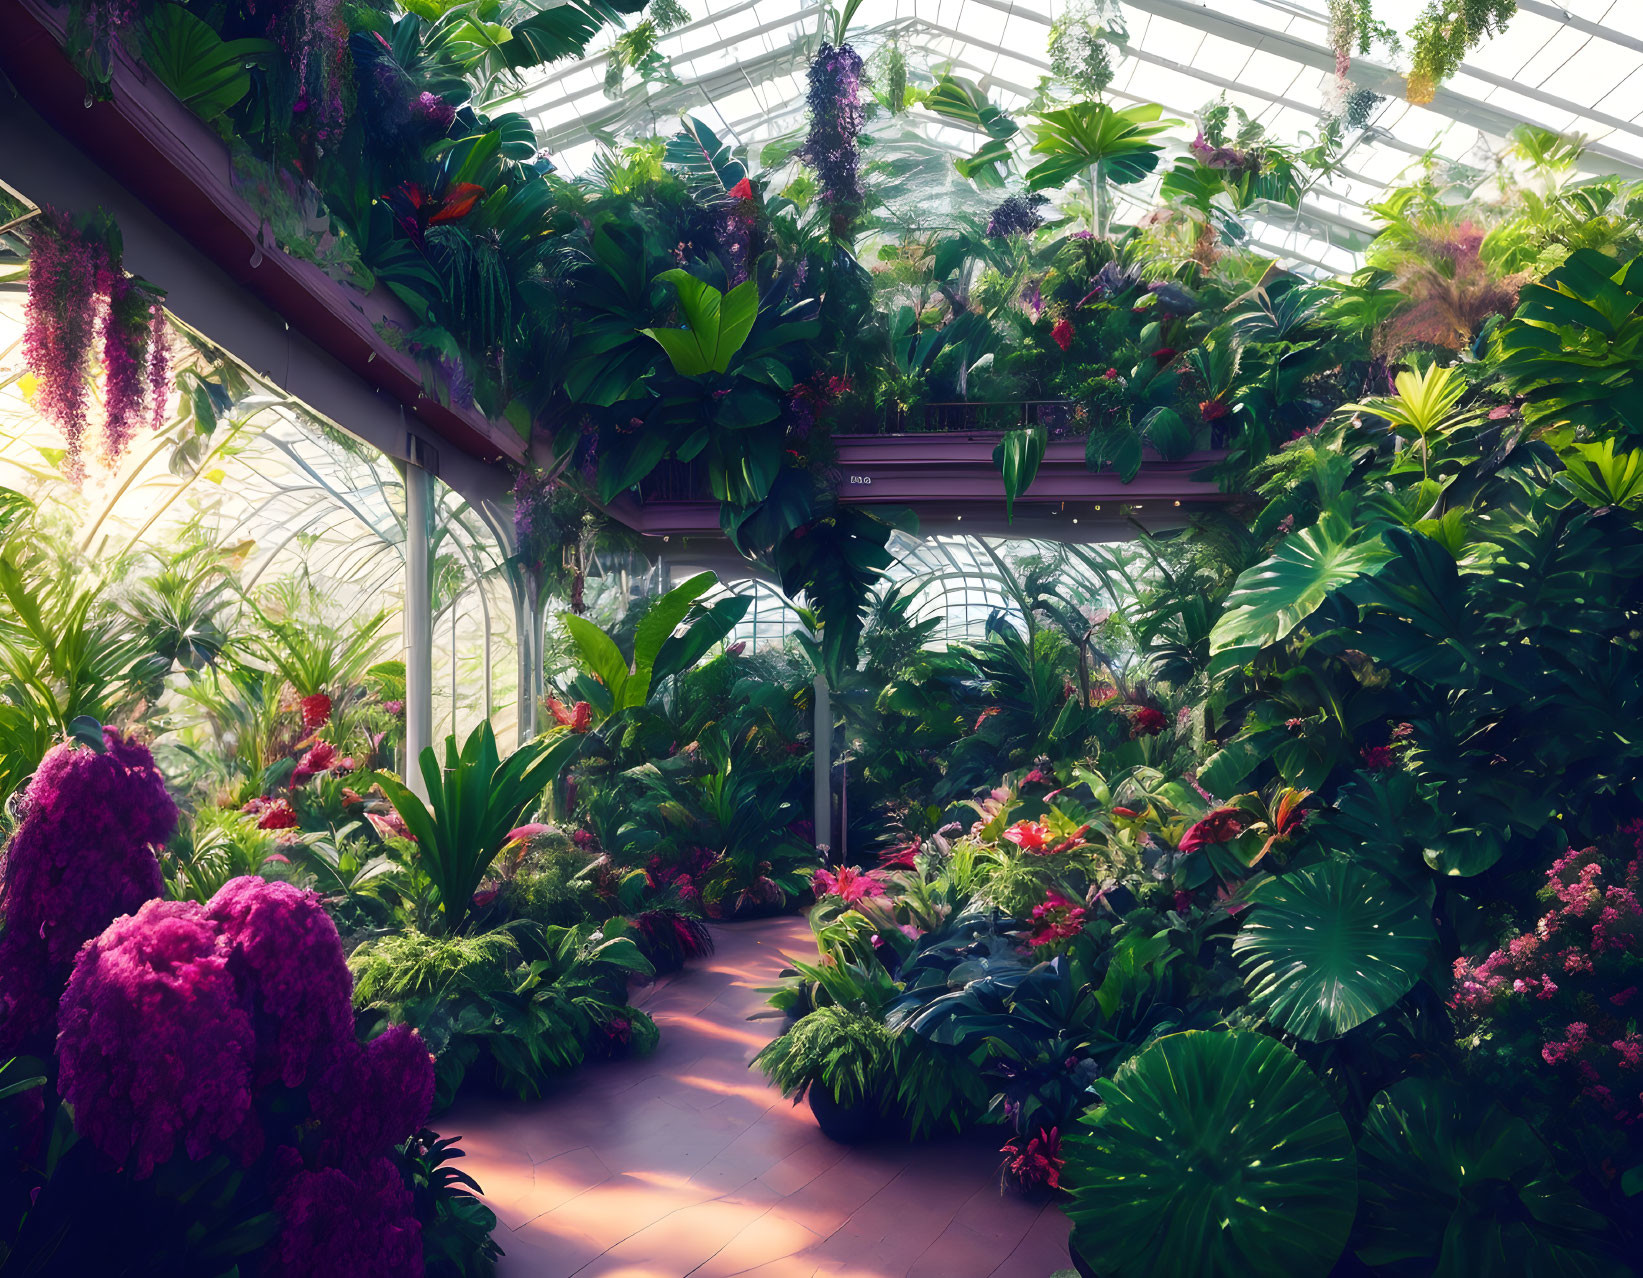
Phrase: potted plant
(841,1061)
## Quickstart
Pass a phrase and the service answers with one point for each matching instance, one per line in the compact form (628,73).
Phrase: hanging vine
(81,301)
(1446,32)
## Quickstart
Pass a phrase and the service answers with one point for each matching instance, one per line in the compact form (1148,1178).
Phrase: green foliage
(847,1054)
(1328,947)
(716,324)
(473,801)
(207,74)
(1093,135)
(1449,1176)
(1215,1154)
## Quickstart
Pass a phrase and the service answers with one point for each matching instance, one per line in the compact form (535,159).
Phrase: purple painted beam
(172,161)
(951,477)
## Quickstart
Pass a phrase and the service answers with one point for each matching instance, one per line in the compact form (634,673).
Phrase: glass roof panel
(1575,66)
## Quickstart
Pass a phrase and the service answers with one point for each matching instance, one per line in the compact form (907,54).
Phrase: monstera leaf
(705,163)
(1218,1155)
(1272,598)
(1325,948)
(1447,1173)
(1090,134)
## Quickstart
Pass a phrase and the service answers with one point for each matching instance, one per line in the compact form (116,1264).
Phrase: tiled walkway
(687,1164)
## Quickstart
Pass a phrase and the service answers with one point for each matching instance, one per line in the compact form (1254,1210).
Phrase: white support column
(418,624)
(822,739)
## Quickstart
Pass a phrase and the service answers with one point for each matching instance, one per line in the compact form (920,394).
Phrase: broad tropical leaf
(1218,1155)
(1087,134)
(206,73)
(1325,948)
(716,324)
(1017,457)
(705,163)
(1447,1173)
(1272,598)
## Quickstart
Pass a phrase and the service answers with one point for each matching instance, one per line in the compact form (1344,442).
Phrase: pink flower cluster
(850,885)
(1571,974)
(1037,1163)
(82,855)
(1056,919)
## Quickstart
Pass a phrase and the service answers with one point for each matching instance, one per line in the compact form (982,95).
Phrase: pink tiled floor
(687,1164)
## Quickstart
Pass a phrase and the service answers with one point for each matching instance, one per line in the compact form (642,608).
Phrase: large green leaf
(1325,948)
(1449,1175)
(704,162)
(207,74)
(1087,134)
(1218,1155)
(1272,598)
(656,627)
(599,653)
(716,325)
(1017,457)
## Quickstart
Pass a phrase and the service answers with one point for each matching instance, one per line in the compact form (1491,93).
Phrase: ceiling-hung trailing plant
(84,311)
(1326,948)
(836,118)
(1085,39)
(1218,1154)
(636,49)
(1444,34)
(1451,1182)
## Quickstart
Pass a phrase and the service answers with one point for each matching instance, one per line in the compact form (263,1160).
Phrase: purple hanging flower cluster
(835,120)
(1017,215)
(78,293)
(82,856)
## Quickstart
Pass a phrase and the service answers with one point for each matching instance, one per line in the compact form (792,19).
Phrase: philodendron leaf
(1018,456)
(1327,947)
(1276,595)
(1215,1154)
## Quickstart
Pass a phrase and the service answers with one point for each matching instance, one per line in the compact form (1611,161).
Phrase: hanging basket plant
(86,318)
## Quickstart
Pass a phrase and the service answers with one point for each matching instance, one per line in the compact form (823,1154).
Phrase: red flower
(1036,1163)
(316,712)
(322,758)
(1111,374)
(1149,722)
(1213,410)
(1378,758)
(578,718)
(1128,814)
(279,815)
(1057,919)
(525,833)
(985,715)
(849,885)
(900,858)
(743,190)
(1220,826)
(1029,836)
(1164,354)
(1062,333)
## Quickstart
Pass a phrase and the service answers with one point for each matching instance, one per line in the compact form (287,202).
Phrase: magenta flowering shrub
(156,1045)
(295,974)
(82,855)
(372,1096)
(1564,996)
(337,1222)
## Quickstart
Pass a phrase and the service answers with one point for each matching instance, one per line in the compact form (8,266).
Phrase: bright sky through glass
(1574,67)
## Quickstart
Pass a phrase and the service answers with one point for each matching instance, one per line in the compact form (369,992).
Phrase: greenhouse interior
(874,639)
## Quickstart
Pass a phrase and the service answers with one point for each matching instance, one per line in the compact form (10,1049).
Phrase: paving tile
(686,1163)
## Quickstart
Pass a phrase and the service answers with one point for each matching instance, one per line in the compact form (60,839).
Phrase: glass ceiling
(1575,67)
